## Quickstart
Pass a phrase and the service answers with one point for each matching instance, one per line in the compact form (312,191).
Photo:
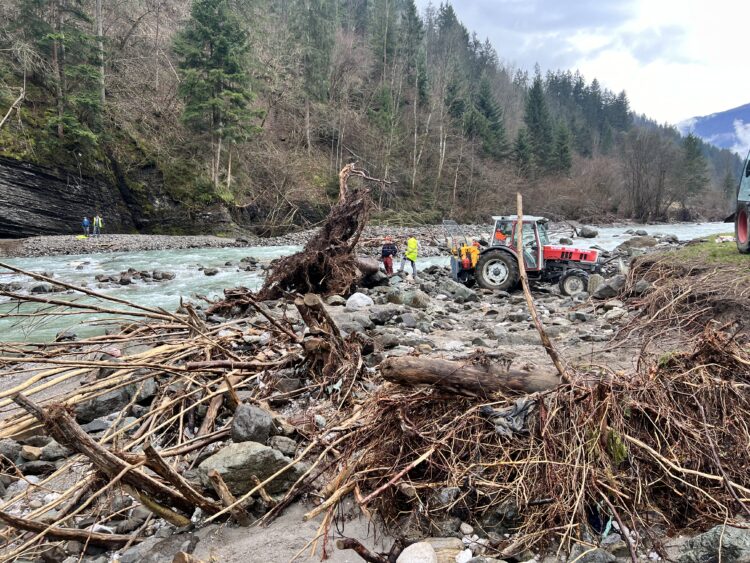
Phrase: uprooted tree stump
(327,265)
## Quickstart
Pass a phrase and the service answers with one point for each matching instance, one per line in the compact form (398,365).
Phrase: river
(191,282)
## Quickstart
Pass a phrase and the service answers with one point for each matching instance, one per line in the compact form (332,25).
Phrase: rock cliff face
(35,200)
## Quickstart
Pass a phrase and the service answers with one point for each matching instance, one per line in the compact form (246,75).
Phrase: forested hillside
(258,103)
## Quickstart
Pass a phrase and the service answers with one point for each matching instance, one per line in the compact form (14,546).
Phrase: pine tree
(60,34)
(694,169)
(523,154)
(562,160)
(538,123)
(214,83)
(494,139)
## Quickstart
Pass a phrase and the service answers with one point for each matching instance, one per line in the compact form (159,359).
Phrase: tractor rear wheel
(741,228)
(497,270)
(573,281)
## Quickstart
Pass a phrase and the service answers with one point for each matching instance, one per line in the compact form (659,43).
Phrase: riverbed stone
(285,445)
(251,424)
(54,451)
(704,548)
(588,232)
(238,463)
(102,405)
(610,287)
(358,301)
(9,449)
(417,299)
(31,453)
(210,271)
(420,552)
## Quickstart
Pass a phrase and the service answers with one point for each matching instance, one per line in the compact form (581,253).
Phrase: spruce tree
(562,160)
(215,85)
(538,123)
(523,154)
(494,139)
(694,169)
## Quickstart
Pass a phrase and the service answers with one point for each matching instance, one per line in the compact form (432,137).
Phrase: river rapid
(190,282)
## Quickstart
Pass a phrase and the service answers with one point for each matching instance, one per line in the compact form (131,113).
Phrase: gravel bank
(430,238)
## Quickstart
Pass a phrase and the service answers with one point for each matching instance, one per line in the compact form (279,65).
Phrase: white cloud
(675,58)
(742,136)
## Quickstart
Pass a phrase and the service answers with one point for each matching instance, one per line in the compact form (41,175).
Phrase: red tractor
(495,266)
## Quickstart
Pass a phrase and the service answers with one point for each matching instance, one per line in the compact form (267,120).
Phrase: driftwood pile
(549,458)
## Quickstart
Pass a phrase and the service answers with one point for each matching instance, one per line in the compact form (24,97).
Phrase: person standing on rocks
(98,224)
(412,250)
(387,253)
(86,224)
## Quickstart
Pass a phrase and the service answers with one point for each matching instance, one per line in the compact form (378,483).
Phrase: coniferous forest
(257,104)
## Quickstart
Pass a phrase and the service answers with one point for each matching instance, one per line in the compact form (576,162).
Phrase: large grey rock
(704,548)
(238,463)
(335,301)
(641,287)
(54,451)
(103,405)
(10,449)
(610,288)
(586,555)
(251,424)
(638,242)
(565,240)
(459,291)
(358,301)
(588,232)
(417,299)
(157,550)
(420,552)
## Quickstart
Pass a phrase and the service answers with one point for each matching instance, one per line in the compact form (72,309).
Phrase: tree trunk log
(111,541)
(472,380)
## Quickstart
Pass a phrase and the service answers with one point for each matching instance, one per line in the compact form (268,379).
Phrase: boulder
(103,404)
(285,445)
(565,240)
(54,451)
(595,281)
(41,288)
(420,552)
(641,233)
(251,424)
(641,287)
(583,554)
(9,449)
(588,232)
(637,242)
(615,314)
(336,301)
(671,239)
(417,299)
(610,288)
(238,463)
(210,271)
(358,301)
(734,542)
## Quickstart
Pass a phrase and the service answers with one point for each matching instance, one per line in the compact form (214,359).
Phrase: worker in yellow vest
(98,224)
(410,254)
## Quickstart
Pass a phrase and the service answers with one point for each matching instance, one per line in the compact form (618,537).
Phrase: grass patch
(711,252)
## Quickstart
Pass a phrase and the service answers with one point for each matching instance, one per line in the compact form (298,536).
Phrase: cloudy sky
(675,58)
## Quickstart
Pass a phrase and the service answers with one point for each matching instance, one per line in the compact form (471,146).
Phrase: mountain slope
(728,129)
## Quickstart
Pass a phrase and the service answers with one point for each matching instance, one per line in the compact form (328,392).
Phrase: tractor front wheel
(573,281)
(497,271)
(741,228)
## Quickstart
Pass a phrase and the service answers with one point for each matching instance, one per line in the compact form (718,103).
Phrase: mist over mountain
(728,129)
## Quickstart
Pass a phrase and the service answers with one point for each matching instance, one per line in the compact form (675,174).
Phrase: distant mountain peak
(728,129)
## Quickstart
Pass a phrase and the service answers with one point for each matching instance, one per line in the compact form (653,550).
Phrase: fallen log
(472,380)
(72,534)
(63,428)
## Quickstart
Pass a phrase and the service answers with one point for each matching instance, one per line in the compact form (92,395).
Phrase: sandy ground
(285,538)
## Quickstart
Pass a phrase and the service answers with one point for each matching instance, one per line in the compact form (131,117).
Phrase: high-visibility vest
(411,249)
(98,222)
